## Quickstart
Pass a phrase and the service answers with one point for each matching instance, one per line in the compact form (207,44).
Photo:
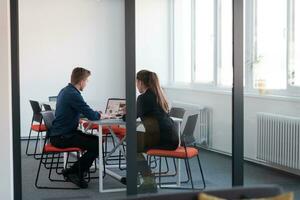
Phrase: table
(109,123)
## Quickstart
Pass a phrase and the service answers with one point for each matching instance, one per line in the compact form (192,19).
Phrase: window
(203,44)
(294,70)
(203,41)
(270,62)
(182,36)
(226,70)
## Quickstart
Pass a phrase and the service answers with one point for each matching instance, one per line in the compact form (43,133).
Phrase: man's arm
(81,106)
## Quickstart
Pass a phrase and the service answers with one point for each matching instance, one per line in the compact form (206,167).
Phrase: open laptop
(115,108)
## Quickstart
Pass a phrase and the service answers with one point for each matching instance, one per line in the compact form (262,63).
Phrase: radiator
(278,140)
(203,126)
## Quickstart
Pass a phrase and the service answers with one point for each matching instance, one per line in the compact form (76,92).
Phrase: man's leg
(90,144)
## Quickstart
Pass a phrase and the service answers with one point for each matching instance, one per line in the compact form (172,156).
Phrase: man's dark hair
(79,74)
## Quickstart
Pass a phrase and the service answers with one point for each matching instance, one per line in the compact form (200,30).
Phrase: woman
(152,108)
(152,103)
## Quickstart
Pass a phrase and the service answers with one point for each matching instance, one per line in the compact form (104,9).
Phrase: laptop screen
(115,107)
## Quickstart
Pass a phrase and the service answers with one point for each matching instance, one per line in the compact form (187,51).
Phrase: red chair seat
(38,128)
(51,149)
(119,131)
(177,153)
(92,127)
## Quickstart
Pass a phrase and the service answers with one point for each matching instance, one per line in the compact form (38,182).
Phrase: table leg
(178,160)
(100,160)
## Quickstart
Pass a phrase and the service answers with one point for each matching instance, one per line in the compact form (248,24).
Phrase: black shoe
(74,178)
(65,173)
(124,181)
(147,188)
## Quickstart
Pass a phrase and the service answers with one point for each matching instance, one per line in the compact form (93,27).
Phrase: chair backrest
(177,112)
(188,133)
(48,117)
(36,108)
(52,98)
(47,107)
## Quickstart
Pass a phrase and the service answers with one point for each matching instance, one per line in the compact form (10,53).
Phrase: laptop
(115,108)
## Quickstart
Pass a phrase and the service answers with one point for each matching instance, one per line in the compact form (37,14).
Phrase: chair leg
(159,175)
(202,175)
(47,187)
(28,140)
(36,144)
(104,172)
(189,167)
(57,164)
(51,167)
(38,172)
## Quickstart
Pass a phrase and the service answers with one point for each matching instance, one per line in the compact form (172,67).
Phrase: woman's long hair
(151,81)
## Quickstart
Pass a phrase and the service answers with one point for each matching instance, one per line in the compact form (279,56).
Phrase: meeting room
(150,99)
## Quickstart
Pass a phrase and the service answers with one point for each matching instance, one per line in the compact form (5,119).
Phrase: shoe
(147,188)
(123,180)
(74,178)
(65,173)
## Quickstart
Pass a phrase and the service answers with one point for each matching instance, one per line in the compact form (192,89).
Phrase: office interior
(189,44)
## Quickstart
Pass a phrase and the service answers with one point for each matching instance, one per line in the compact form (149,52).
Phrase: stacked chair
(37,126)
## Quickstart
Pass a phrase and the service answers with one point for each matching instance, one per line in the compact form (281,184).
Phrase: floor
(217,170)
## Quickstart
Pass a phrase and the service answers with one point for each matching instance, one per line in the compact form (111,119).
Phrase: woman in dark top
(152,103)
(160,130)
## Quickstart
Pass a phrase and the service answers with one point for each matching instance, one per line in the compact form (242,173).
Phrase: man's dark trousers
(86,142)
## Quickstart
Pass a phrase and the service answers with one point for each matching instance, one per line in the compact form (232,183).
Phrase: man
(64,133)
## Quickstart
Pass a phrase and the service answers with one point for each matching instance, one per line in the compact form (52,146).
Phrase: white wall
(57,35)
(152,37)
(6,174)
(220,103)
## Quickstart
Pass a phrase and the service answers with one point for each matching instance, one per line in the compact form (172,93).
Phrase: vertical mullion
(237,95)
(217,41)
(171,78)
(249,51)
(15,84)
(131,138)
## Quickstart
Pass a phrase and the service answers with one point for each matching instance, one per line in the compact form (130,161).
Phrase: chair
(49,149)
(178,113)
(47,107)
(185,151)
(36,125)
(52,98)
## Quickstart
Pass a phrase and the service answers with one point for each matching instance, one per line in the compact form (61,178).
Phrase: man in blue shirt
(64,133)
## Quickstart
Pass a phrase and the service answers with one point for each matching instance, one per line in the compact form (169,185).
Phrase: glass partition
(271,99)
(189,47)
